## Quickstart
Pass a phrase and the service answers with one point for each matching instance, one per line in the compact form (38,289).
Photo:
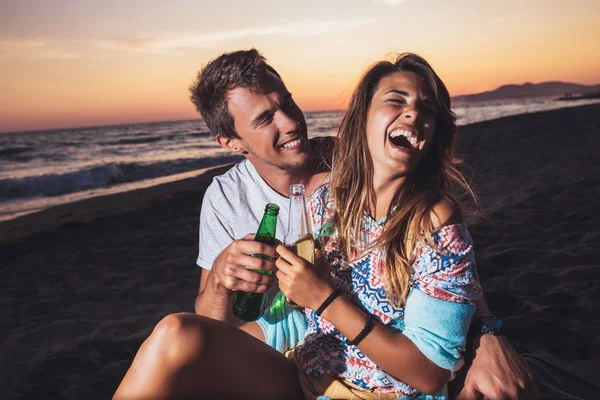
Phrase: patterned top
(448,275)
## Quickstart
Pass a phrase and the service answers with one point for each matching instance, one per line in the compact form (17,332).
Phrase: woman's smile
(404,139)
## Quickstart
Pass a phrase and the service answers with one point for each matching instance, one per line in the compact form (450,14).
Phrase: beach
(84,283)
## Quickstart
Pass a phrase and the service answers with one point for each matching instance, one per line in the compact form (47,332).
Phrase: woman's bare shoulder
(445,212)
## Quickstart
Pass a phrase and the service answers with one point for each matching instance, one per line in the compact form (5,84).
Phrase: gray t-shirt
(233,206)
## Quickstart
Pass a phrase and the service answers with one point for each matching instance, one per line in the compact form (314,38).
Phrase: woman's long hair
(431,181)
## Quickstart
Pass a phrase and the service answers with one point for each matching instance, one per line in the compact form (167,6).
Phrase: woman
(388,226)
(387,315)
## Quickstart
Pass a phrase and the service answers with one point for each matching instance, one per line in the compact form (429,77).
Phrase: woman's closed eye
(397,101)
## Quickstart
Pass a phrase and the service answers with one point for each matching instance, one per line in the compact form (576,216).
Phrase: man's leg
(192,356)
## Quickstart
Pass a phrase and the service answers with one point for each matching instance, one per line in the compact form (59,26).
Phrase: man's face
(271,127)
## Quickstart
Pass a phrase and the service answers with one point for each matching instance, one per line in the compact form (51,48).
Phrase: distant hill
(530,90)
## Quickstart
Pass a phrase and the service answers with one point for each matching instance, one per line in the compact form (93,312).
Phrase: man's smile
(292,144)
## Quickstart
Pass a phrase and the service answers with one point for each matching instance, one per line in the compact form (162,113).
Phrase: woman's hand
(306,284)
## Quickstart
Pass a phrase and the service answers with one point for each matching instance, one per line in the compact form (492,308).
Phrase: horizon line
(128,124)
(94,126)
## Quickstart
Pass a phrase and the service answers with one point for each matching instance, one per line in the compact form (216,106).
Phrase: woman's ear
(231,144)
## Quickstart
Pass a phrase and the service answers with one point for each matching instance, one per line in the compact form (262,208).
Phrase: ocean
(46,168)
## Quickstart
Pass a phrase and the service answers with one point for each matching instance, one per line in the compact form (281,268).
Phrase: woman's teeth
(293,143)
(410,136)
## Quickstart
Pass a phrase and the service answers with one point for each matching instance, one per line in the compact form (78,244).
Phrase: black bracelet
(328,301)
(369,325)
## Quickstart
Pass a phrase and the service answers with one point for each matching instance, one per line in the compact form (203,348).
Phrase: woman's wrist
(334,293)
(330,311)
(350,320)
(323,293)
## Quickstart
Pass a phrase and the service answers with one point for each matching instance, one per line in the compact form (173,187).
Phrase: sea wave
(57,184)
(141,140)
(101,176)
(17,153)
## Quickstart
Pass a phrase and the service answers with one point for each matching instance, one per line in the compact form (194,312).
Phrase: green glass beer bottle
(250,306)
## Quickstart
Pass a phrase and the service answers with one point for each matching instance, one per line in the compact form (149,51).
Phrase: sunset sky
(69,63)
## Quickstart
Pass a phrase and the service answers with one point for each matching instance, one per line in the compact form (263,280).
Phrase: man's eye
(266,121)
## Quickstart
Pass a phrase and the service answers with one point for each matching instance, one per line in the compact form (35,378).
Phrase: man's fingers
(250,276)
(252,262)
(469,392)
(252,286)
(254,247)
(530,389)
(236,274)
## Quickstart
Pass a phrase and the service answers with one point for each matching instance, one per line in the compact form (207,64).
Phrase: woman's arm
(391,351)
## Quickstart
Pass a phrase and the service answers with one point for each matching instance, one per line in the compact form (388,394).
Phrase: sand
(84,283)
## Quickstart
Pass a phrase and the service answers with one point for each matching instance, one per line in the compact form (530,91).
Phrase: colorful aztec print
(449,275)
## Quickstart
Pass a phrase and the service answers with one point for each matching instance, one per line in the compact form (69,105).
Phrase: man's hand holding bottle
(233,268)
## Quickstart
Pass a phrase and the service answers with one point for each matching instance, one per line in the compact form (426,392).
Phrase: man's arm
(224,260)
(496,370)
(216,302)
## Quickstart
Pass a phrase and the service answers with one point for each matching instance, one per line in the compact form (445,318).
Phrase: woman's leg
(192,356)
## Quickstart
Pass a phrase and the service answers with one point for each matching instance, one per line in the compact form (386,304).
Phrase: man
(265,125)
(247,106)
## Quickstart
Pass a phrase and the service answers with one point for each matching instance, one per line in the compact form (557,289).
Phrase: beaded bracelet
(328,301)
(369,325)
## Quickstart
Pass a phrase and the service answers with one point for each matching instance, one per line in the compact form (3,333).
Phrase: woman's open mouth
(403,139)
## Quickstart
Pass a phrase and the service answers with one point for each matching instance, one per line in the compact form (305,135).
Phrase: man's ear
(231,144)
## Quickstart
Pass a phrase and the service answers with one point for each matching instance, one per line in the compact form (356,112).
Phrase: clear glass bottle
(299,237)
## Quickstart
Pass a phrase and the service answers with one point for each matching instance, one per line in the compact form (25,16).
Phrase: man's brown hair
(245,68)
